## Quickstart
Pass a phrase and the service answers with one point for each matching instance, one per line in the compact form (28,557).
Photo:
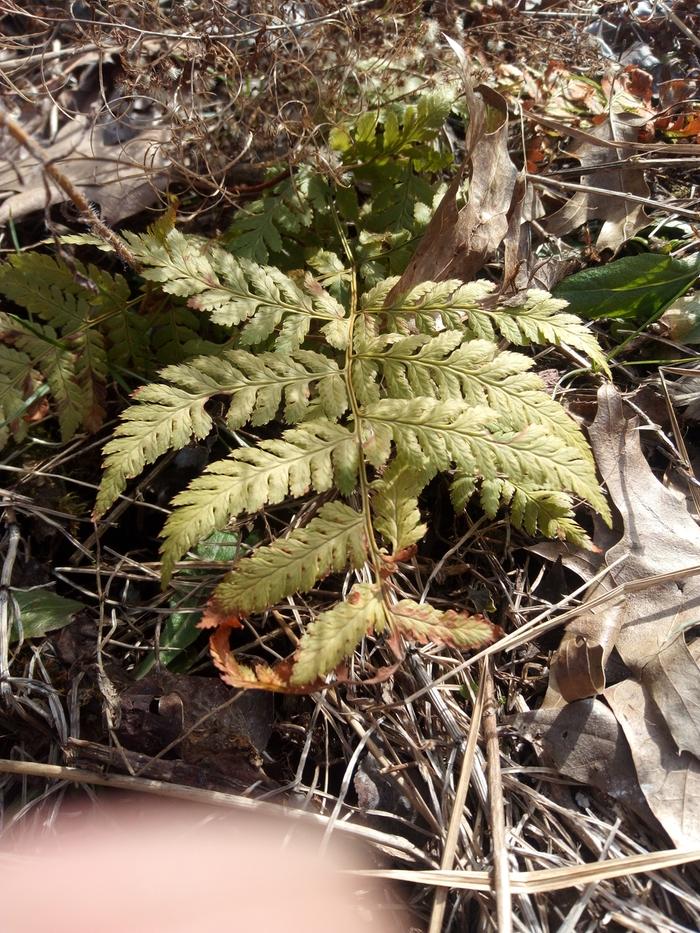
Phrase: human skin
(137,869)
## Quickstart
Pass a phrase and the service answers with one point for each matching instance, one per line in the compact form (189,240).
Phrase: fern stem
(372,546)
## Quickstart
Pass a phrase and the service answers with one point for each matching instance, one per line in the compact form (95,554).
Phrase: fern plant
(73,328)
(59,343)
(363,403)
(390,169)
(287,338)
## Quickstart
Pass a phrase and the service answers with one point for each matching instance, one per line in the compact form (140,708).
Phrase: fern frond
(545,511)
(57,293)
(166,416)
(233,291)
(394,207)
(180,264)
(256,676)
(379,255)
(331,541)
(60,367)
(18,381)
(253,233)
(540,319)
(395,506)
(330,269)
(288,209)
(423,623)
(534,510)
(127,337)
(448,367)
(398,131)
(60,371)
(419,122)
(316,455)
(434,435)
(87,239)
(335,633)
(431,307)
(73,301)
(365,370)
(372,301)
(174,333)
(258,383)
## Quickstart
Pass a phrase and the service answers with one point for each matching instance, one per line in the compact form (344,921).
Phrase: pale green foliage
(166,417)
(395,506)
(429,308)
(334,634)
(434,435)
(397,151)
(383,395)
(317,455)
(449,367)
(531,508)
(238,291)
(542,510)
(286,346)
(333,540)
(398,132)
(421,389)
(169,414)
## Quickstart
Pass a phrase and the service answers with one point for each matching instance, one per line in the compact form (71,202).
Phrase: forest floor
(549,781)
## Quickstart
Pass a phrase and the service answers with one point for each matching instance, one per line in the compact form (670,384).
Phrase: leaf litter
(605,171)
(123,178)
(412,737)
(457,242)
(657,705)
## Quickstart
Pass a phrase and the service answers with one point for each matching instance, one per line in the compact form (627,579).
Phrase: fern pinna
(377,397)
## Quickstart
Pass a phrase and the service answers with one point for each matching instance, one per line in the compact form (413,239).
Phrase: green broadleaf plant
(41,611)
(362,405)
(635,288)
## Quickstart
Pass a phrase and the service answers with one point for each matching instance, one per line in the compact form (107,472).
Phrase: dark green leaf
(180,630)
(42,611)
(638,288)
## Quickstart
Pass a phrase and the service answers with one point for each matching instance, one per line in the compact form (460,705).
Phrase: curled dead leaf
(605,170)
(456,242)
(216,617)
(257,676)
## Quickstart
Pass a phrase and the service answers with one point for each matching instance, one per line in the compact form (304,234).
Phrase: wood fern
(59,339)
(363,402)
(68,328)
(290,338)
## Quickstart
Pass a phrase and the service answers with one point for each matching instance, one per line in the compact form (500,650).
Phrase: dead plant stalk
(98,227)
